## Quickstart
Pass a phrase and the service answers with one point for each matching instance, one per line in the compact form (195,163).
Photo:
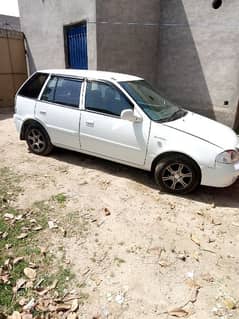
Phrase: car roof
(100,75)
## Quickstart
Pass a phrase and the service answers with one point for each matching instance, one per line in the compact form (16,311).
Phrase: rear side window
(63,91)
(33,86)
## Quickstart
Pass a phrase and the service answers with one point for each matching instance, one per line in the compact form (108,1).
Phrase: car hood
(206,129)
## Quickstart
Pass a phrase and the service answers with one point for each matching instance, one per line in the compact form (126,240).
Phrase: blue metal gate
(77,47)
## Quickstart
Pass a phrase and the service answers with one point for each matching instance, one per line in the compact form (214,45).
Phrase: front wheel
(38,140)
(177,174)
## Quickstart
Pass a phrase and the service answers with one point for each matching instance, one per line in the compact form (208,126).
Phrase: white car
(122,118)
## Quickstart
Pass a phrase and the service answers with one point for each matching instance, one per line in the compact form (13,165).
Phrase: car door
(103,132)
(58,109)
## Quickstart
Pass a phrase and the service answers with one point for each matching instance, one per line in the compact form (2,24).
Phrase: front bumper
(222,175)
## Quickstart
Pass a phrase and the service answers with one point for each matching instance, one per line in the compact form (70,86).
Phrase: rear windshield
(33,86)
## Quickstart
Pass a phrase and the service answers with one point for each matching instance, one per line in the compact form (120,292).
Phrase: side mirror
(129,115)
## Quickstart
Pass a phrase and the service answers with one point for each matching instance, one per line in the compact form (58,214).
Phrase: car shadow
(221,197)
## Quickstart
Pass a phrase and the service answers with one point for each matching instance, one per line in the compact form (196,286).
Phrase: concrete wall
(42,22)
(199,54)
(13,70)
(128,36)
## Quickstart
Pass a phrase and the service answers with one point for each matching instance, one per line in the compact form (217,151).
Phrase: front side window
(63,91)
(33,86)
(152,103)
(104,98)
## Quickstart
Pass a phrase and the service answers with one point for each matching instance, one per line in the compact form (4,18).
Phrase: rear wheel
(177,174)
(38,140)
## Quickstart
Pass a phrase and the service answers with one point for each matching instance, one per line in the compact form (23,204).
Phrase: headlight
(228,157)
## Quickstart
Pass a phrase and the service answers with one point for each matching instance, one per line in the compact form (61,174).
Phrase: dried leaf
(4,235)
(16,315)
(30,305)
(230,303)
(194,294)
(27,316)
(37,228)
(22,301)
(45,291)
(54,284)
(196,256)
(30,273)
(178,312)
(4,278)
(22,236)
(52,225)
(8,216)
(17,260)
(195,240)
(63,307)
(19,284)
(74,305)
(107,211)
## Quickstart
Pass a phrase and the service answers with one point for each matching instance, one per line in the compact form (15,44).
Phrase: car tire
(177,174)
(38,140)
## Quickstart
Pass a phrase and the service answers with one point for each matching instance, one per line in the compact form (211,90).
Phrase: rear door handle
(90,123)
(42,112)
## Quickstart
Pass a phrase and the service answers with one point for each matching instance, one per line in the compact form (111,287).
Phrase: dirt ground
(138,253)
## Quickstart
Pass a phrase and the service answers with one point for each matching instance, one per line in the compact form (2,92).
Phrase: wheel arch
(26,124)
(167,154)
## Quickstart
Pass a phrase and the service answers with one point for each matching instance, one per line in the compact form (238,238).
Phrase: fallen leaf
(216,222)
(30,273)
(195,240)
(74,305)
(45,291)
(17,260)
(4,278)
(52,225)
(37,228)
(16,315)
(63,307)
(4,235)
(178,312)
(107,212)
(22,236)
(8,216)
(27,316)
(196,256)
(30,305)
(230,303)
(194,294)
(19,284)
(22,301)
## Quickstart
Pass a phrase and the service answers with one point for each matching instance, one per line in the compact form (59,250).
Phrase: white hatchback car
(122,118)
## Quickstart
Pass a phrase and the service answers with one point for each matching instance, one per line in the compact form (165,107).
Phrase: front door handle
(90,123)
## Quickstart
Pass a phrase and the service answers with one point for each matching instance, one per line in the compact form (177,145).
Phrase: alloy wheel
(177,176)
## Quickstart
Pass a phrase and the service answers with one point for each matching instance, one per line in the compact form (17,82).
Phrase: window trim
(68,77)
(110,84)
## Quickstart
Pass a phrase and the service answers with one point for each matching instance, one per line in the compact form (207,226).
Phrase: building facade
(186,48)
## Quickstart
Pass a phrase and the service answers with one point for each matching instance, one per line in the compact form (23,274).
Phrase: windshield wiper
(175,116)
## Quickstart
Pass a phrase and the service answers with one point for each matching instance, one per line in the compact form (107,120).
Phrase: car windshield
(153,104)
